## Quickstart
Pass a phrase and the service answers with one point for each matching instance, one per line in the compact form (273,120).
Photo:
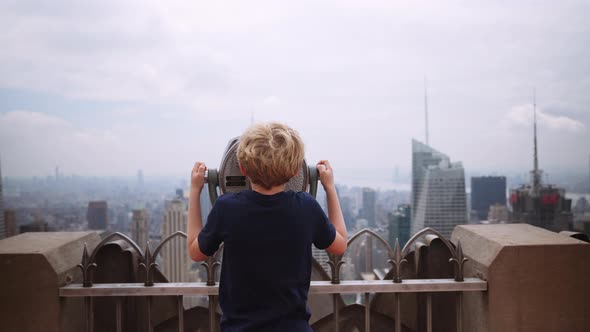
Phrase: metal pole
(212,313)
(336,313)
(460,312)
(149,314)
(89,313)
(119,314)
(367,312)
(398,314)
(429,312)
(180,313)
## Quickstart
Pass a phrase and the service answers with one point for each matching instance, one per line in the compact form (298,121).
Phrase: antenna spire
(426,109)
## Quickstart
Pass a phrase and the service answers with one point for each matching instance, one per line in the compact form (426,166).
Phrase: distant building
(538,204)
(38,225)
(485,192)
(581,211)
(582,206)
(140,227)
(543,206)
(180,194)
(498,213)
(175,259)
(368,209)
(97,215)
(10,222)
(346,205)
(438,191)
(400,222)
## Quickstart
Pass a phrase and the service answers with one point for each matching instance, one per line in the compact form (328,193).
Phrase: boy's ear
(297,172)
(242,170)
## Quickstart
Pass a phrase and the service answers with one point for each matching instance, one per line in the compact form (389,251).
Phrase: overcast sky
(110,87)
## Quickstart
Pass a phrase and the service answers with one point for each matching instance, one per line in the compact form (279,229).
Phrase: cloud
(522,116)
(32,141)
(143,82)
(109,51)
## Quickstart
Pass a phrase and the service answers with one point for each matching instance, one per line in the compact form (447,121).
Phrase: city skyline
(106,88)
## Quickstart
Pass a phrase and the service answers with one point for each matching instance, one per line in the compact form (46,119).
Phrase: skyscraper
(438,191)
(97,215)
(538,204)
(399,225)
(368,210)
(10,222)
(485,192)
(175,259)
(140,227)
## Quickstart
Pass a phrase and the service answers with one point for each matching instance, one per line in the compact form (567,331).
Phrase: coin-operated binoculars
(229,178)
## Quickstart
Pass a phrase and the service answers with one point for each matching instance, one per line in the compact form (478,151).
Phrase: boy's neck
(271,191)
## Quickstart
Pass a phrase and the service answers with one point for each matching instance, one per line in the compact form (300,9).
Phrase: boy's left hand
(198,176)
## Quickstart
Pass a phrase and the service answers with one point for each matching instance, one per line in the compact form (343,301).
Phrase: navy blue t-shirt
(266,265)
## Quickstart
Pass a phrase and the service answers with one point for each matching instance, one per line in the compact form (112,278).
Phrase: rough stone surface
(34,266)
(537,279)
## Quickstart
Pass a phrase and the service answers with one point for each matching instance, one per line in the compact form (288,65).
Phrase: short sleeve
(324,231)
(210,237)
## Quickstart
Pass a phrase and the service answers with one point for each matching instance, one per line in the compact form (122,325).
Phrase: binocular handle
(314,176)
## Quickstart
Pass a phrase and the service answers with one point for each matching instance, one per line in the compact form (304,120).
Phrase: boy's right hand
(326,174)
(198,176)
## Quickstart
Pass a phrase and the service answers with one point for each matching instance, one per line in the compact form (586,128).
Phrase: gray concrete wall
(33,266)
(537,280)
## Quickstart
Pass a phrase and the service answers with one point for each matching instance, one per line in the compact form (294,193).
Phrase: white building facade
(175,259)
(438,191)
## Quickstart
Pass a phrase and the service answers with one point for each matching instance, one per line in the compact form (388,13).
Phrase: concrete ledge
(34,266)
(537,279)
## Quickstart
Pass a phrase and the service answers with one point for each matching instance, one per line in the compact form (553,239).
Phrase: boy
(268,233)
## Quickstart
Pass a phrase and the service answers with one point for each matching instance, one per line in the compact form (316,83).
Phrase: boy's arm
(339,245)
(195,221)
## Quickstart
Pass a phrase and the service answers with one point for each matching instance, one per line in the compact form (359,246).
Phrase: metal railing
(335,286)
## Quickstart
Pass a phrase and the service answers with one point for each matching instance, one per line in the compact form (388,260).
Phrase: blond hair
(270,153)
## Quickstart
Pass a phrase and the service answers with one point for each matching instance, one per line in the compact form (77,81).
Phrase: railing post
(336,313)
(429,312)
(367,312)
(180,313)
(335,261)
(212,313)
(89,314)
(149,314)
(119,314)
(398,314)
(459,311)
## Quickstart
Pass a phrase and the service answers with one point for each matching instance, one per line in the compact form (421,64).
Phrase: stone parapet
(33,267)
(537,279)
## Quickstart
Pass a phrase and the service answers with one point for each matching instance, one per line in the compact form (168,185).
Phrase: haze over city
(107,88)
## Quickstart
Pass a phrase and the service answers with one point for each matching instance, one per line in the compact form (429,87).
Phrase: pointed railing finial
(397,262)
(210,264)
(459,259)
(335,262)
(148,264)
(86,266)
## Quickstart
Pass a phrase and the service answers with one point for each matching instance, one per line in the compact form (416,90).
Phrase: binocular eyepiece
(229,178)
